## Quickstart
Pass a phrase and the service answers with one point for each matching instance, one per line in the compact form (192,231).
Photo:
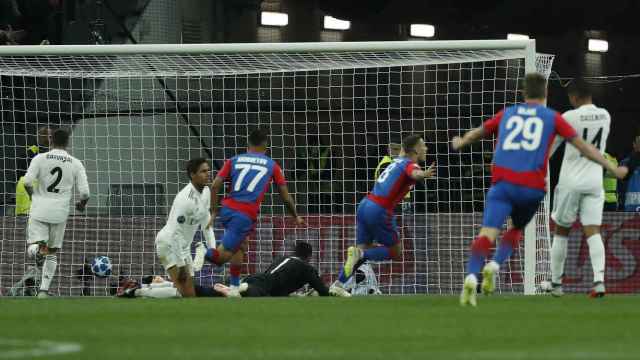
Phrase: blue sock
(377,253)
(476,260)
(503,252)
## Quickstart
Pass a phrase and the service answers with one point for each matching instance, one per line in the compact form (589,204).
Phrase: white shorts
(568,204)
(47,233)
(171,255)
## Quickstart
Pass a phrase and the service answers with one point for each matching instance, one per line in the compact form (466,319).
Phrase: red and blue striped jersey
(394,183)
(250,175)
(525,135)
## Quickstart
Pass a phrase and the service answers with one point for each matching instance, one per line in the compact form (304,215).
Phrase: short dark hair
(535,86)
(193,165)
(409,143)
(258,137)
(303,250)
(580,89)
(60,138)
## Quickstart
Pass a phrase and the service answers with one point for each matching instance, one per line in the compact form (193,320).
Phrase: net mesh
(136,119)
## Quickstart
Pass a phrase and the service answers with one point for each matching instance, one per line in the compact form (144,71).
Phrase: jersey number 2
(531,130)
(58,172)
(244,169)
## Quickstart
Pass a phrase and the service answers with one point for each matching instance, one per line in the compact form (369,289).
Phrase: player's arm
(418,174)
(315,282)
(279,180)
(31,175)
(83,187)
(489,127)
(593,154)
(217,184)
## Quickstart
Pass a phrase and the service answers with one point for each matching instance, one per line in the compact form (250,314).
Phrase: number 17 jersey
(250,175)
(525,135)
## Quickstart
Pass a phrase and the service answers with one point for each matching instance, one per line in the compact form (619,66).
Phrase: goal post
(138,112)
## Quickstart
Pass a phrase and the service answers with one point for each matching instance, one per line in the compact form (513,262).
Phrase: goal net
(137,113)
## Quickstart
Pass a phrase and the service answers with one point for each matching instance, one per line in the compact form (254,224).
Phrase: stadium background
(159,22)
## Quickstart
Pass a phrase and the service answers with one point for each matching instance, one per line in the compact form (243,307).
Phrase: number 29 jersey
(250,175)
(578,172)
(525,135)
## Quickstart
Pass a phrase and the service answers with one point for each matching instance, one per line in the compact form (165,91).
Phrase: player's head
(198,171)
(258,139)
(413,145)
(535,87)
(303,250)
(579,93)
(44,136)
(394,149)
(60,138)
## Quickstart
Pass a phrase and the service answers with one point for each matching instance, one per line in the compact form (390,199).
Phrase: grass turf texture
(411,327)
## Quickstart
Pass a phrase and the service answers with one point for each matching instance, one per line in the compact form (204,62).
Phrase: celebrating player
(579,189)
(56,173)
(518,176)
(190,210)
(283,277)
(250,175)
(375,220)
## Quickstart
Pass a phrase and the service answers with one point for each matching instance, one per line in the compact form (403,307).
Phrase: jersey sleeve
(491,126)
(410,168)
(563,128)
(278,177)
(82,183)
(226,170)
(315,282)
(32,171)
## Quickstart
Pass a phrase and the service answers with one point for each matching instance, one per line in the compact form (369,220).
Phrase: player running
(249,175)
(579,189)
(190,210)
(518,176)
(49,181)
(377,235)
(283,277)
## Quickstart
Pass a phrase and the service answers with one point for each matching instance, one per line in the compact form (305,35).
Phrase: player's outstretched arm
(288,201)
(591,153)
(83,187)
(459,143)
(419,175)
(217,184)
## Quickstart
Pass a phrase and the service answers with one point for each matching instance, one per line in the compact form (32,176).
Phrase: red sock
(481,245)
(513,236)
(213,255)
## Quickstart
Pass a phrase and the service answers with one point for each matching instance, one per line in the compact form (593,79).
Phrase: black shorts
(259,285)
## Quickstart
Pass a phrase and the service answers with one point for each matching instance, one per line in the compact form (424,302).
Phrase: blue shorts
(375,224)
(237,226)
(504,199)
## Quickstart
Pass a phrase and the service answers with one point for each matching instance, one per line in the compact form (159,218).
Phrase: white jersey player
(50,181)
(190,210)
(579,191)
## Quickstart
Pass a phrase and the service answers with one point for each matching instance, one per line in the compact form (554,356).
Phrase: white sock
(48,271)
(158,293)
(558,256)
(163,284)
(597,254)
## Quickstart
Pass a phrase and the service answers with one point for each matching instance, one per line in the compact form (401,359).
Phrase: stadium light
(598,45)
(332,23)
(422,30)
(271,18)
(517,37)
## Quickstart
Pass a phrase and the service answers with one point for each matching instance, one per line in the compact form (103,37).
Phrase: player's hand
(300,221)
(81,205)
(621,171)
(456,143)
(431,170)
(211,221)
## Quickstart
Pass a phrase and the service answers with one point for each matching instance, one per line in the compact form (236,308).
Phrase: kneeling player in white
(49,181)
(579,189)
(190,209)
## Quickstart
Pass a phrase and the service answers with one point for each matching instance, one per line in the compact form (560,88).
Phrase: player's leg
(51,237)
(182,280)
(364,238)
(564,214)
(177,266)
(234,268)
(591,218)
(237,227)
(387,237)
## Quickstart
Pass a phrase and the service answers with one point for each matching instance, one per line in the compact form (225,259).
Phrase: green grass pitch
(410,327)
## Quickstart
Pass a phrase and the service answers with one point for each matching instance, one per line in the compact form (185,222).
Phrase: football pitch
(409,327)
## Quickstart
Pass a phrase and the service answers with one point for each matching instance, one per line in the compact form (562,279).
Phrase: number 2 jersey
(578,172)
(56,172)
(250,175)
(525,134)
